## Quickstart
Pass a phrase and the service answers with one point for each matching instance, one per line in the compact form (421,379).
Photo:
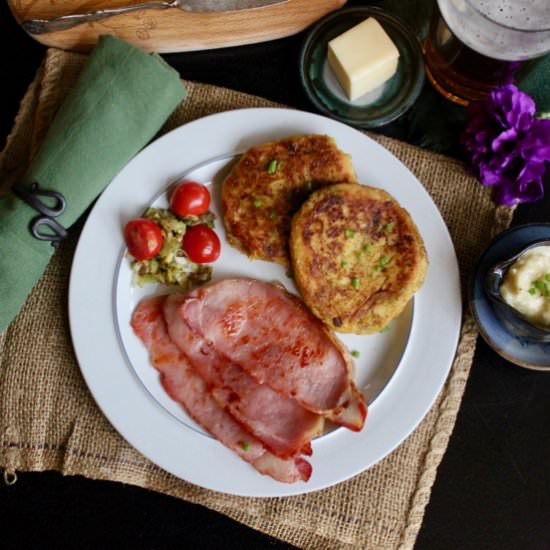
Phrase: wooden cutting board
(173,30)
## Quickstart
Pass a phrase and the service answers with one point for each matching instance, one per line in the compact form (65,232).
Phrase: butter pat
(363,58)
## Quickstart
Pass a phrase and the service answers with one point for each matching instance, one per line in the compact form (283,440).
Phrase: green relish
(171,265)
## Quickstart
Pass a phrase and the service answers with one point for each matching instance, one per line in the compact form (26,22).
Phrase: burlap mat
(49,420)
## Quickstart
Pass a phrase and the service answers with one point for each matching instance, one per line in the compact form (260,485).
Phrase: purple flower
(507,146)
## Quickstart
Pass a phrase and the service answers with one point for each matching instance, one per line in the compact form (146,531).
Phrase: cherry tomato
(143,238)
(189,198)
(201,244)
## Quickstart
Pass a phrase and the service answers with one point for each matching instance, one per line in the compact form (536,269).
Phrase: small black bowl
(379,106)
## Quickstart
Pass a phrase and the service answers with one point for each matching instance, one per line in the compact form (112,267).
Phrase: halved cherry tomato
(201,244)
(189,198)
(143,238)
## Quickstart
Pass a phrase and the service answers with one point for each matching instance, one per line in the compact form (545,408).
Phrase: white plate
(402,371)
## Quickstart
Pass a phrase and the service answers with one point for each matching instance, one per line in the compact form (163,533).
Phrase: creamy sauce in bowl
(526,285)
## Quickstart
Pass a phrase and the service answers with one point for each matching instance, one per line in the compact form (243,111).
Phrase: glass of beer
(475,45)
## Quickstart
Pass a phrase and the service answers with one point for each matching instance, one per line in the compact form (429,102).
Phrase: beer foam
(520,14)
(502,29)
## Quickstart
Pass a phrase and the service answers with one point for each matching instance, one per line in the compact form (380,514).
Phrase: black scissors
(44,227)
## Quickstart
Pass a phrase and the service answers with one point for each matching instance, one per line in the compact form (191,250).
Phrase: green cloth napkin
(122,98)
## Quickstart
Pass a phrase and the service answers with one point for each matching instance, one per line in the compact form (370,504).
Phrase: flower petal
(531,171)
(504,139)
(536,144)
(505,195)
(512,108)
(488,175)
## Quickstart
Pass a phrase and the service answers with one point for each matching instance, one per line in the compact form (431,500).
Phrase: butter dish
(378,106)
(504,330)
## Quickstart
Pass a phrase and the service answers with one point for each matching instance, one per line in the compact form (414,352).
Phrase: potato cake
(357,257)
(269,183)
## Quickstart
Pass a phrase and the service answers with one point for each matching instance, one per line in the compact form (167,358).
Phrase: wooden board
(174,30)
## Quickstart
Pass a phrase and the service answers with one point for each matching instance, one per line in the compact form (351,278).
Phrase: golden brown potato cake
(357,257)
(268,185)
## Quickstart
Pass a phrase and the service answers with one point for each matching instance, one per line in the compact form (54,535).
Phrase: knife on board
(40,26)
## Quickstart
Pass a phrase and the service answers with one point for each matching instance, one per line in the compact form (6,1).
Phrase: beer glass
(475,45)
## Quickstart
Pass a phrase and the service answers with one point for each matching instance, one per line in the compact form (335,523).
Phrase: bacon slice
(279,342)
(186,387)
(279,422)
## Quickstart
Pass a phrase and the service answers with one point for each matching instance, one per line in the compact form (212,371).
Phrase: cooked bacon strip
(279,342)
(186,387)
(279,422)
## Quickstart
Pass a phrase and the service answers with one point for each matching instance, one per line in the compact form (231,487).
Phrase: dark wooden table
(493,486)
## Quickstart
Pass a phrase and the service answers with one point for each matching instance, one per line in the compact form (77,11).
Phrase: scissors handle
(31,195)
(54,232)
(55,236)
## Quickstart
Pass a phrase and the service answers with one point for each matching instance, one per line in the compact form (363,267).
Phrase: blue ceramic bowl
(506,331)
(375,108)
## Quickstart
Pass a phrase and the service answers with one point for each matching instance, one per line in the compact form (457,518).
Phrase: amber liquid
(460,73)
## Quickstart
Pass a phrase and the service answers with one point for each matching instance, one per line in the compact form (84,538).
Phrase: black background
(493,486)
